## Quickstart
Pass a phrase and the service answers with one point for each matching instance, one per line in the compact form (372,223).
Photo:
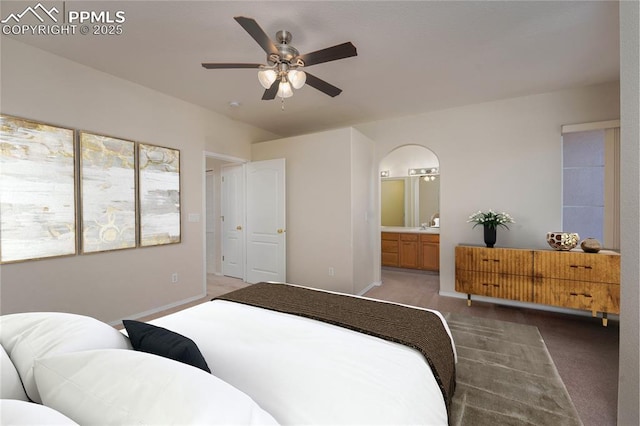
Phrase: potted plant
(490,221)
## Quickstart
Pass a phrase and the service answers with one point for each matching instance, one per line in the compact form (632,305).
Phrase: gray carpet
(505,376)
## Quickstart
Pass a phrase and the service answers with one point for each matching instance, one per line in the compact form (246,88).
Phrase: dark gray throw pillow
(160,341)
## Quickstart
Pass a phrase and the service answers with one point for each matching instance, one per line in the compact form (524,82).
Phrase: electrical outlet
(174,277)
(331,271)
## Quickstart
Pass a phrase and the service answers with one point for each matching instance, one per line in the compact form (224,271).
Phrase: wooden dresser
(411,250)
(570,279)
(494,272)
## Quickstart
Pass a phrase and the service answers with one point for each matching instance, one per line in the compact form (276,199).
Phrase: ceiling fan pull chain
(282,101)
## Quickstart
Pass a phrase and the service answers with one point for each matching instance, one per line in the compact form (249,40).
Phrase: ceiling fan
(283,71)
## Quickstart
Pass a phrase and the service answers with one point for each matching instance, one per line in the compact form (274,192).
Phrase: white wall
(323,215)
(629,366)
(363,211)
(503,155)
(122,284)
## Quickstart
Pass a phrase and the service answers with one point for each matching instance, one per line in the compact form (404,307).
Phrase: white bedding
(304,371)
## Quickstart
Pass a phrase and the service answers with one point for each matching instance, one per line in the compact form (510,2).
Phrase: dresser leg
(468,300)
(605,320)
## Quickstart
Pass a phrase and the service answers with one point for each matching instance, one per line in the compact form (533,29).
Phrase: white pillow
(129,387)
(17,413)
(28,336)
(10,383)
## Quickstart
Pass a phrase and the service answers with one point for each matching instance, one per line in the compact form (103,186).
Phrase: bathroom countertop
(416,230)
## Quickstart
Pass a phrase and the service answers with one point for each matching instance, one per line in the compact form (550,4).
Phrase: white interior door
(210,222)
(233,196)
(266,237)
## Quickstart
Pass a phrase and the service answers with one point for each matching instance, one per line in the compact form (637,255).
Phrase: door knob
(239,228)
(280,231)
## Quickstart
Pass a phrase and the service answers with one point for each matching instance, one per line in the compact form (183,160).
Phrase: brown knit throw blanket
(416,328)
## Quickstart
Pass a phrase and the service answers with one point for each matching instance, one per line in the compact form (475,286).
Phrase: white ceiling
(413,56)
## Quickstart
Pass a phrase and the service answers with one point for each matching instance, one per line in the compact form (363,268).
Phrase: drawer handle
(580,294)
(491,260)
(487,285)
(581,266)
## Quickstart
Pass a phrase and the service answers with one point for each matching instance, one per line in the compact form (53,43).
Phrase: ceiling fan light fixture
(297,78)
(284,89)
(267,77)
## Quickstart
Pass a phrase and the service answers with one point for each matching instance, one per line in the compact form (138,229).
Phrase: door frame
(229,159)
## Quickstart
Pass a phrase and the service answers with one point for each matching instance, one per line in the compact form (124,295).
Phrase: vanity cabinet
(430,252)
(569,279)
(408,251)
(411,250)
(390,248)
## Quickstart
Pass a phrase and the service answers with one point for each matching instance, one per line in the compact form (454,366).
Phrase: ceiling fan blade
(322,85)
(254,30)
(340,51)
(271,92)
(226,66)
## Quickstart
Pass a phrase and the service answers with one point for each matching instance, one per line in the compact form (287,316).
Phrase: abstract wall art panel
(159,187)
(37,190)
(108,193)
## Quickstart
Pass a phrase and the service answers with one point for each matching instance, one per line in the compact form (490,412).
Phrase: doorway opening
(245,218)
(410,210)
(215,166)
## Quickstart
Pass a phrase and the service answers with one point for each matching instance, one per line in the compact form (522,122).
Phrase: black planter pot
(489,236)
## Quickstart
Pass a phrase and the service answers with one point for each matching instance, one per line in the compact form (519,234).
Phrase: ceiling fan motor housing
(285,50)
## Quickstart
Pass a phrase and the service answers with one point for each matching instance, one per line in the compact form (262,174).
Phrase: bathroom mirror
(409,201)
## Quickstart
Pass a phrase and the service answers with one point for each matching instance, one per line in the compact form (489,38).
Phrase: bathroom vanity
(412,248)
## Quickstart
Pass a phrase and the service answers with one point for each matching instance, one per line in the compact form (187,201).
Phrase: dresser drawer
(594,297)
(514,287)
(577,266)
(495,260)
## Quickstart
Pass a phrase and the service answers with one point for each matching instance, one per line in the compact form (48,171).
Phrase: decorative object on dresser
(590,245)
(570,279)
(411,250)
(490,222)
(490,236)
(563,240)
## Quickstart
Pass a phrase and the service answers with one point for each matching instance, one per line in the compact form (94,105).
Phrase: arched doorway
(410,210)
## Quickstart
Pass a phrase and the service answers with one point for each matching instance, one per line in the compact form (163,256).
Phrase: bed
(270,354)
(303,369)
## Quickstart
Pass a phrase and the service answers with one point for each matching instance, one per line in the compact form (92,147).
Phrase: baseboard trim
(369,287)
(518,304)
(160,309)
